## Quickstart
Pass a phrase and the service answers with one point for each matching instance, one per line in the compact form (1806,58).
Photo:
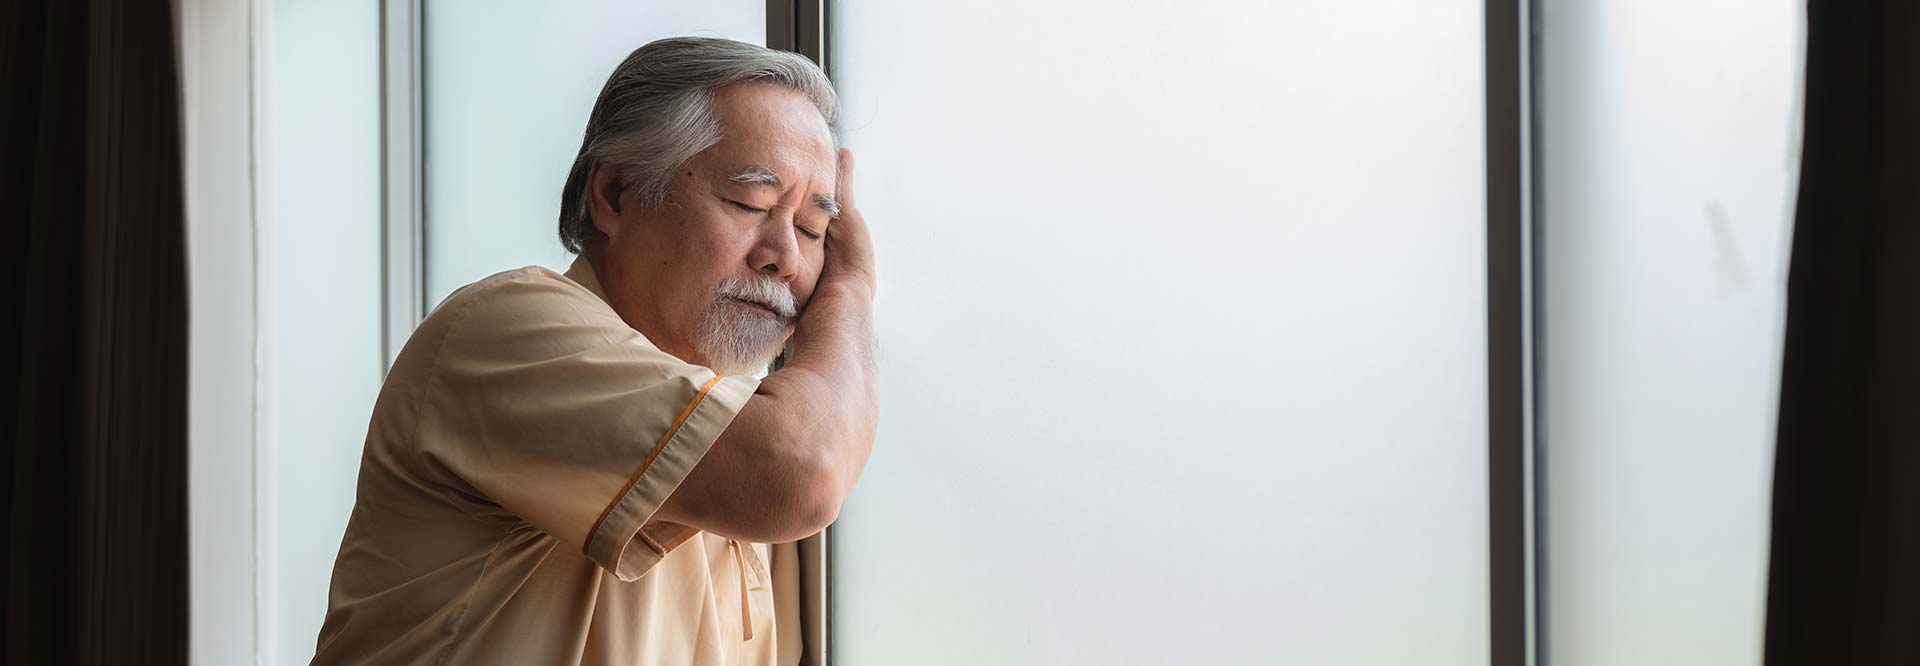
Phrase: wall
(217,76)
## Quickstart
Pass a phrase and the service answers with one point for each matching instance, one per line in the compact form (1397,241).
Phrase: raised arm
(782,468)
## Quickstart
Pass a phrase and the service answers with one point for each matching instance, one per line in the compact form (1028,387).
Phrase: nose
(776,249)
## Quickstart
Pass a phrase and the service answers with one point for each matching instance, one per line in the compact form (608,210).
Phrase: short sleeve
(542,401)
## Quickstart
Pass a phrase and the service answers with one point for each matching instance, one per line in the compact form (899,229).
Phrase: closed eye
(809,233)
(745,207)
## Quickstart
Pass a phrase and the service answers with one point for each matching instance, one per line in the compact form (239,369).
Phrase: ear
(605,193)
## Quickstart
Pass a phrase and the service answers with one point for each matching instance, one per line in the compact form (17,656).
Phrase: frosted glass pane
(1668,143)
(1182,333)
(320,322)
(508,89)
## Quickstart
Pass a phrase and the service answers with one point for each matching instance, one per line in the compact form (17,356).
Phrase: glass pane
(1667,165)
(320,319)
(1182,331)
(508,89)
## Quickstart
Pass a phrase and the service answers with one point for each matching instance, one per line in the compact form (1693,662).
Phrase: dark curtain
(95,337)
(1844,585)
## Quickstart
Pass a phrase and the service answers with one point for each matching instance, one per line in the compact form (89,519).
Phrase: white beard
(737,338)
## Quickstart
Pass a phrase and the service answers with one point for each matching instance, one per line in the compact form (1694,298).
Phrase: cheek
(708,242)
(804,283)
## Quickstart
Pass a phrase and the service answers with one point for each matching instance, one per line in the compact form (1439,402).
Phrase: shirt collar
(582,272)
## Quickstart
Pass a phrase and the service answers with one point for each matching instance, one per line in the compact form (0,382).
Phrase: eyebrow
(764,177)
(828,204)
(755,175)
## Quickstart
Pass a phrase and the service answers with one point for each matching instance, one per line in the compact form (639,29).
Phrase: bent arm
(780,471)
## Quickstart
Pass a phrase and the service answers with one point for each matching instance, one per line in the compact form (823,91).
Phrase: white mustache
(768,292)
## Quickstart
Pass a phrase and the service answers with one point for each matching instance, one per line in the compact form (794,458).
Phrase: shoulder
(530,307)
(525,311)
(519,292)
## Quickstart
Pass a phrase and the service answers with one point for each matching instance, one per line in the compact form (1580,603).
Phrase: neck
(619,286)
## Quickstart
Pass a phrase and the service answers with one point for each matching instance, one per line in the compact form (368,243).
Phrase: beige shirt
(518,450)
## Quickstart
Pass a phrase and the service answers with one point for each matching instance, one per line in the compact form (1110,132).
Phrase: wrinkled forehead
(773,128)
(770,165)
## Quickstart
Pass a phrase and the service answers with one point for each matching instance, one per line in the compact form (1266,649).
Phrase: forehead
(773,127)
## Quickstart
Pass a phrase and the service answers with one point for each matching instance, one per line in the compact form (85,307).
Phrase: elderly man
(584,468)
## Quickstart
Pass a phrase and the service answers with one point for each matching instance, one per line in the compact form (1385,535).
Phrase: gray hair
(656,112)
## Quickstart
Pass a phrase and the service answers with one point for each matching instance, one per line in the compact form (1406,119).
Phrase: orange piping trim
(655,453)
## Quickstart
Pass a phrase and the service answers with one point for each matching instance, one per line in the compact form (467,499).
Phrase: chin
(739,342)
(741,366)
(740,355)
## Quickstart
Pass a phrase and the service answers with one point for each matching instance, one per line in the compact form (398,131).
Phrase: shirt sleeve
(546,404)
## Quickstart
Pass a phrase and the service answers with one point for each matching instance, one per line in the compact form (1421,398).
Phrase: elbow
(814,517)
(814,500)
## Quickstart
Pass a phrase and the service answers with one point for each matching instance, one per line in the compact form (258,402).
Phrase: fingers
(845,188)
(849,250)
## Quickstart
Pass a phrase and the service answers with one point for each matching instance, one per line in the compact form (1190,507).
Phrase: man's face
(718,273)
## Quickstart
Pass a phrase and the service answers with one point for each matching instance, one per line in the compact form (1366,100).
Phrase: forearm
(830,385)
(781,469)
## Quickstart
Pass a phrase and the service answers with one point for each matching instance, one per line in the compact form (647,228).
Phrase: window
(1182,329)
(1667,163)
